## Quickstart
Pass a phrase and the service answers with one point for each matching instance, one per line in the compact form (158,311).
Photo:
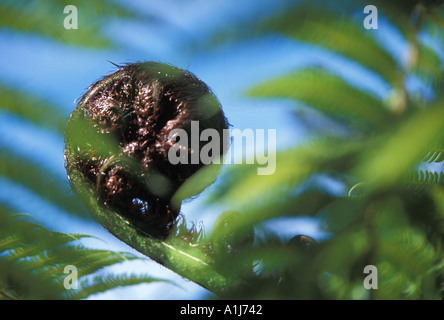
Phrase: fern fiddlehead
(116,157)
(137,107)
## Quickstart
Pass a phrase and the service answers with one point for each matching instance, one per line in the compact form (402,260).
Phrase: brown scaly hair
(138,106)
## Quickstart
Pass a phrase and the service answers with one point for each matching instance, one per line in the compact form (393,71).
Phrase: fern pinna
(33,263)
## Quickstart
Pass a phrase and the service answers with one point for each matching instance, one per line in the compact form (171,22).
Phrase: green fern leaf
(434,155)
(429,66)
(40,181)
(406,144)
(20,15)
(428,177)
(32,108)
(104,283)
(33,259)
(335,33)
(328,93)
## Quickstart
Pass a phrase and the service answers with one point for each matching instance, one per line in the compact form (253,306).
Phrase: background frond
(41,181)
(104,283)
(20,16)
(33,259)
(327,93)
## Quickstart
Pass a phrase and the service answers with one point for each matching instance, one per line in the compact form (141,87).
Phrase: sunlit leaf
(399,152)
(343,36)
(104,283)
(33,260)
(328,93)
(49,22)
(33,109)
(40,181)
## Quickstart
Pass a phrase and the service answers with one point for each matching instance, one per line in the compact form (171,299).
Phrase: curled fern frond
(138,108)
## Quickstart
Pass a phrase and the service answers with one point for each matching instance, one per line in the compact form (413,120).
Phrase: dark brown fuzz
(137,107)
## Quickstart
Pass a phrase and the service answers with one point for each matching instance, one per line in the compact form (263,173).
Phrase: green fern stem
(174,253)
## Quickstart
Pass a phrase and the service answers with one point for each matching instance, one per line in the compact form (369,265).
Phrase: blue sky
(61,73)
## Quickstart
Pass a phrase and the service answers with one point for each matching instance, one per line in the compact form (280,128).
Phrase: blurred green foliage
(21,16)
(33,261)
(391,215)
(33,258)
